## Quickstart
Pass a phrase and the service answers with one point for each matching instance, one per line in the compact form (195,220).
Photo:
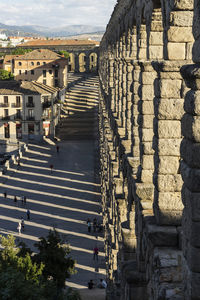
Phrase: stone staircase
(79,118)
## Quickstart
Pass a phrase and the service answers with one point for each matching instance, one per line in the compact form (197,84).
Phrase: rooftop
(41,54)
(13,87)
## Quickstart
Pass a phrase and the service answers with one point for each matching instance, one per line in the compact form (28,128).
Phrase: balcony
(4,104)
(30,104)
(6,118)
(30,118)
(46,104)
(16,105)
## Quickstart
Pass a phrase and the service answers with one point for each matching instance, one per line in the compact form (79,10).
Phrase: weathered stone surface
(169,201)
(170,88)
(181,18)
(169,129)
(146,107)
(169,147)
(182,4)
(167,164)
(162,235)
(192,102)
(168,183)
(169,109)
(190,127)
(176,51)
(156,38)
(191,177)
(155,52)
(180,34)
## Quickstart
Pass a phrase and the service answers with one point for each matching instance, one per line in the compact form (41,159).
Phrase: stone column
(76,59)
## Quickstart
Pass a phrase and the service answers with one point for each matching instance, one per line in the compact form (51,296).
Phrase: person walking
(18,163)
(89,225)
(19,227)
(51,168)
(94,224)
(22,223)
(5,194)
(28,214)
(22,200)
(15,200)
(25,200)
(57,149)
(95,253)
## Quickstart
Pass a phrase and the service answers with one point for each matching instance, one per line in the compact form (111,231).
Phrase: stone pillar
(87,63)
(76,59)
(133,43)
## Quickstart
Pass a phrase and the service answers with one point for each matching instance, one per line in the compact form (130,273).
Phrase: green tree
(54,254)
(20,51)
(5,75)
(65,53)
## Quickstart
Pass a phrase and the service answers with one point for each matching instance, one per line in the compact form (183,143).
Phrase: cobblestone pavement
(63,199)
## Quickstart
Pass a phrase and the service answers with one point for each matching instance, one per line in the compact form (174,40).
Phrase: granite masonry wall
(150,153)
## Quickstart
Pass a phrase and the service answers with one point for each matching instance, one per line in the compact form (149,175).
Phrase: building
(83,53)
(8,62)
(41,65)
(28,110)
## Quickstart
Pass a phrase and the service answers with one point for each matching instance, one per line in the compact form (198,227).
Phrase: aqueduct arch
(148,244)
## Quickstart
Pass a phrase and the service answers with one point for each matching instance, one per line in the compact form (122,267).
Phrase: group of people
(15,199)
(102,284)
(97,227)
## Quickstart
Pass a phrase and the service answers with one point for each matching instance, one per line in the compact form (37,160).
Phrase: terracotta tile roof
(13,87)
(60,43)
(8,58)
(41,54)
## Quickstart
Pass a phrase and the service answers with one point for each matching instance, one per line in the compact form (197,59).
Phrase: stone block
(146,107)
(148,77)
(192,102)
(155,52)
(191,177)
(181,18)
(193,259)
(147,148)
(144,191)
(176,51)
(147,176)
(182,5)
(170,88)
(189,47)
(146,92)
(168,147)
(170,201)
(146,134)
(190,152)
(168,183)
(148,162)
(167,164)
(142,53)
(167,217)
(190,127)
(145,121)
(171,75)
(169,129)
(162,236)
(192,204)
(156,38)
(169,109)
(180,34)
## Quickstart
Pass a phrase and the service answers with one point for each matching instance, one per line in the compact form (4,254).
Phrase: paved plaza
(64,199)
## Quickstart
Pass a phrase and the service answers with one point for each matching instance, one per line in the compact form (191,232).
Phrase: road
(63,199)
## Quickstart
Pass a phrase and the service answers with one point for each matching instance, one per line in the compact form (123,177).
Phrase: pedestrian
(95,253)
(22,223)
(28,214)
(22,200)
(89,225)
(5,194)
(90,284)
(51,168)
(102,284)
(57,149)
(25,200)
(18,163)
(15,200)
(19,228)
(94,224)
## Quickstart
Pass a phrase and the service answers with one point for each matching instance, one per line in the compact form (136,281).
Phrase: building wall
(23,69)
(148,241)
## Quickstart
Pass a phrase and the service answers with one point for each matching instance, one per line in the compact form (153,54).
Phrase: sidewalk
(63,199)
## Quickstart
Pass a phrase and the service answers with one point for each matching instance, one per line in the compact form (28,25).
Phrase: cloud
(58,13)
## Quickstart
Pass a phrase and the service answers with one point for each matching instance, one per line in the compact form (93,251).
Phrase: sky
(56,13)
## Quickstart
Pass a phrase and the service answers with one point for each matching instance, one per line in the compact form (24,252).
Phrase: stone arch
(82,62)
(93,62)
(71,65)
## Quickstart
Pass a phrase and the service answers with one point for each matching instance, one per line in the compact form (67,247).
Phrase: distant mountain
(34,30)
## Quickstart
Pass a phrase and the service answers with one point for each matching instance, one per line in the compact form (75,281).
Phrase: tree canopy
(24,275)
(6,75)
(65,53)
(20,51)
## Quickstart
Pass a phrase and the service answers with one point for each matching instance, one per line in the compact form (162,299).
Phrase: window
(20,72)
(56,73)
(44,72)
(26,72)
(31,114)
(44,63)
(32,63)
(84,58)
(5,113)
(56,82)
(18,131)
(44,81)
(30,102)
(32,72)
(18,114)
(6,130)
(38,63)
(31,128)
(19,63)
(18,100)
(5,100)
(69,68)
(50,71)
(92,58)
